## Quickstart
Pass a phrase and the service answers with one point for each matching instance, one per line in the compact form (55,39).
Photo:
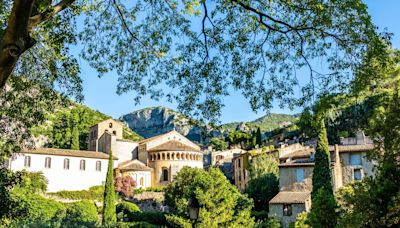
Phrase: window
(299,175)
(110,125)
(82,165)
(287,210)
(47,162)
(357,174)
(27,162)
(98,165)
(355,159)
(141,182)
(239,163)
(165,176)
(114,132)
(66,163)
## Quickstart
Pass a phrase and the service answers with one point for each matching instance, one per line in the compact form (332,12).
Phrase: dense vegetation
(219,202)
(266,123)
(68,128)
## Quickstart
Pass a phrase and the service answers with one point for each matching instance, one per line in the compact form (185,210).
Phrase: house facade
(348,163)
(64,169)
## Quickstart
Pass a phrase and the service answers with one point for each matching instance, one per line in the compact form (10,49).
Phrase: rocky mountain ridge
(149,122)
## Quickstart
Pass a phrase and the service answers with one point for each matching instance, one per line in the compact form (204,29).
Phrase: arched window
(163,156)
(110,125)
(165,176)
(173,156)
(168,157)
(82,165)
(178,156)
(141,182)
(187,156)
(98,165)
(158,157)
(47,162)
(66,163)
(27,162)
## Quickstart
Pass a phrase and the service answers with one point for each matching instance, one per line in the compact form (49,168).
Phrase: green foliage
(266,123)
(94,193)
(241,138)
(126,210)
(323,210)
(135,225)
(268,223)
(220,202)
(323,202)
(259,215)
(109,209)
(258,137)
(264,183)
(218,144)
(301,221)
(81,214)
(68,128)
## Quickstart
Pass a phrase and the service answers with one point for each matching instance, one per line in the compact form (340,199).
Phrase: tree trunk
(16,39)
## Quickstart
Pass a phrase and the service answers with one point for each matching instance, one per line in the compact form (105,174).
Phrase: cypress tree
(258,137)
(75,131)
(109,210)
(323,202)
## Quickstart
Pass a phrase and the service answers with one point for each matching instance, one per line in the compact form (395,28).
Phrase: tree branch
(203,29)
(40,18)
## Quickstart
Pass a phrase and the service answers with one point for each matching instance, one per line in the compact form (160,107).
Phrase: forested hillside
(268,122)
(68,127)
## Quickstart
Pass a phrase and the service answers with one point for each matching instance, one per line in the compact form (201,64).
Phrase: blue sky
(100,93)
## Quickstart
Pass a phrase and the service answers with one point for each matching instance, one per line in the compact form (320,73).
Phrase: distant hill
(266,123)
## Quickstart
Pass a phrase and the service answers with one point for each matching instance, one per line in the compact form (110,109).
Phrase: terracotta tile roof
(71,153)
(298,154)
(290,197)
(353,148)
(296,164)
(173,145)
(134,165)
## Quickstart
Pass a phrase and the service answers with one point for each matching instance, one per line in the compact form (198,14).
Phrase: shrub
(94,193)
(268,223)
(82,213)
(126,209)
(155,218)
(259,215)
(125,185)
(135,225)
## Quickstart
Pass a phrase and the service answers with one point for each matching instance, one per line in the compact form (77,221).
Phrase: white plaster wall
(136,175)
(124,151)
(60,179)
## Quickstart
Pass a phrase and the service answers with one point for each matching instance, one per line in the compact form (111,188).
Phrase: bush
(259,215)
(135,225)
(94,193)
(82,213)
(126,210)
(155,218)
(268,223)
(32,210)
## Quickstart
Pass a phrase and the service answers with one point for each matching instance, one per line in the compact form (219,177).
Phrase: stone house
(223,160)
(348,163)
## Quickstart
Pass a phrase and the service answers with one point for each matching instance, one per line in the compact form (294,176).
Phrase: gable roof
(173,145)
(290,197)
(353,148)
(134,165)
(107,120)
(69,153)
(156,137)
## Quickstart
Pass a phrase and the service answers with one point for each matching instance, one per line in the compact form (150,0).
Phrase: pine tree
(258,137)
(109,210)
(75,130)
(323,202)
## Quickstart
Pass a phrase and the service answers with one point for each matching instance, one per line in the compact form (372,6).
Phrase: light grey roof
(290,197)
(134,165)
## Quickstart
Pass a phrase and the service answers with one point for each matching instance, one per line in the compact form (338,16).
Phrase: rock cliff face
(150,122)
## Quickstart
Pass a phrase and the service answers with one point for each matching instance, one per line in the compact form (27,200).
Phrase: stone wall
(287,179)
(276,210)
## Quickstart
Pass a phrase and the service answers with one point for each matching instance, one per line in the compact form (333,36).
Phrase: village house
(150,162)
(224,160)
(348,161)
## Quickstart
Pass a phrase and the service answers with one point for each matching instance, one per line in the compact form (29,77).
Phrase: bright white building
(64,169)
(138,171)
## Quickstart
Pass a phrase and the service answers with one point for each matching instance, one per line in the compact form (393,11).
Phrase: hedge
(81,214)
(126,209)
(94,193)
